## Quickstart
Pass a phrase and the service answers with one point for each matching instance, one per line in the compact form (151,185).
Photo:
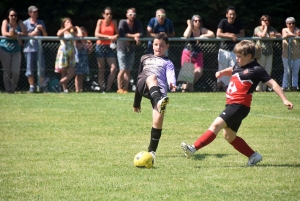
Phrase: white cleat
(153,154)
(254,159)
(189,150)
(162,105)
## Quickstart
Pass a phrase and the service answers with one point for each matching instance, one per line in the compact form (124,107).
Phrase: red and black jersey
(243,82)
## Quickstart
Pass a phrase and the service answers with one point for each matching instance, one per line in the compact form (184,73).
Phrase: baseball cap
(32,8)
(290,19)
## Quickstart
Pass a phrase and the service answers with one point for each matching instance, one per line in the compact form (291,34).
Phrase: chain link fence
(207,83)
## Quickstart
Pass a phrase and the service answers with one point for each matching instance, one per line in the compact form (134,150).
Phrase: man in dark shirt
(229,28)
(128,28)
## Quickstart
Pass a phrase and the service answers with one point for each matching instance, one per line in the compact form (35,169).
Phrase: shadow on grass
(279,165)
(203,156)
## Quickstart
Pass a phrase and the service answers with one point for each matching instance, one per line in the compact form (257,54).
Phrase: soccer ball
(143,159)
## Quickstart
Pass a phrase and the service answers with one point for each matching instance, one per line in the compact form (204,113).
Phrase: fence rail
(210,47)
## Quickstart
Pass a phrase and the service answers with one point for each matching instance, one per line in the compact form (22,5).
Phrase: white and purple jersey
(161,67)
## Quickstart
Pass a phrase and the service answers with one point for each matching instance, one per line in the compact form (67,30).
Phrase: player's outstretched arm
(273,84)
(225,72)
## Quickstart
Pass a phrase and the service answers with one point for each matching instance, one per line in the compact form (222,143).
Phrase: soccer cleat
(162,104)
(153,154)
(254,159)
(189,150)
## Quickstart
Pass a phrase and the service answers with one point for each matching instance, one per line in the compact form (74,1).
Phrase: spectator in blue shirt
(159,24)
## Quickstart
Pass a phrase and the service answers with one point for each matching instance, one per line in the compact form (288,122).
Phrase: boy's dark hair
(162,36)
(230,8)
(245,47)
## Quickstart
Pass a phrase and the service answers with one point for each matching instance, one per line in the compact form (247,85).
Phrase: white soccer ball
(143,159)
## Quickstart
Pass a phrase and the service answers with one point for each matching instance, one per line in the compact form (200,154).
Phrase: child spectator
(83,47)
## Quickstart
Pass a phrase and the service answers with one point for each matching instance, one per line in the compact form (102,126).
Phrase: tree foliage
(87,12)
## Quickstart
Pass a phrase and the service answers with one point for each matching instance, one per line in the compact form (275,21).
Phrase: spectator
(230,28)
(155,76)
(35,27)
(290,31)
(107,28)
(10,49)
(83,47)
(192,52)
(159,24)
(266,58)
(129,28)
(65,58)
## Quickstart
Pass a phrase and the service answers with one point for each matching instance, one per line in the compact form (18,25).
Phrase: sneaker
(254,159)
(31,89)
(189,150)
(161,105)
(125,91)
(120,91)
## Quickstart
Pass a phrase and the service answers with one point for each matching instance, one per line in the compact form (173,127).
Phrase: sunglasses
(13,15)
(196,20)
(108,14)
(291,23)
(132,14)
(161,15)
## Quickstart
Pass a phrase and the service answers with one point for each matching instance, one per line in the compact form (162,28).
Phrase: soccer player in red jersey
(245,76)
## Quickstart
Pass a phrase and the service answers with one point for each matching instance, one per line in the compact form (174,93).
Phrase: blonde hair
(245,47)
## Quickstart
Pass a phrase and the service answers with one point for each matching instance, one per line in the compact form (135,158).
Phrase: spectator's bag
(186,73)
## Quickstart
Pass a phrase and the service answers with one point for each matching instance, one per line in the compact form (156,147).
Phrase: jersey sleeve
(170,73)
(262,74)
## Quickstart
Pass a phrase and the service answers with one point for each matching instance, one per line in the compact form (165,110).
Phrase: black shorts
(143,89)
(234,114)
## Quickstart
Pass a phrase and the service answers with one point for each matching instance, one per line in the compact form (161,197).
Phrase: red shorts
(194,58)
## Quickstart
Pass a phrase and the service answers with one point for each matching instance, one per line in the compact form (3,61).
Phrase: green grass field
(81,147)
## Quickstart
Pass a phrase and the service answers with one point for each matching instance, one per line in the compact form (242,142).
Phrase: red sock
(204,139)
(240,145)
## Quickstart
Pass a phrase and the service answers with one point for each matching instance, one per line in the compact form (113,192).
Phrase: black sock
(154,140)
(155,93)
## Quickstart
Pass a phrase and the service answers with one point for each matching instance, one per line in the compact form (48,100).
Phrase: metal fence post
(289,63)
(39,62)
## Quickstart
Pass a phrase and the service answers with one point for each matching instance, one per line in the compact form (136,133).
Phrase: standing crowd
(72,55)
